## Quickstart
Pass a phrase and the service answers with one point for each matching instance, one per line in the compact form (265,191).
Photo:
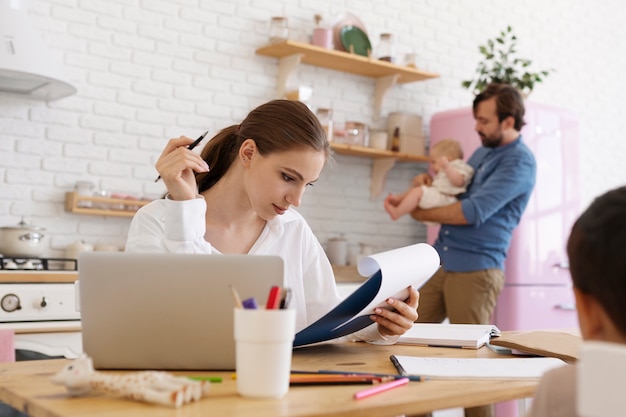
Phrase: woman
(242,205)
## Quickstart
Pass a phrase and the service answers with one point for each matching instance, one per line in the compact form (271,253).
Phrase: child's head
(597,256)
(449,148)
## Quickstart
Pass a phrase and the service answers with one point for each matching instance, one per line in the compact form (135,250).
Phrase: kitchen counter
(343,274)
(347,274)
(23,276)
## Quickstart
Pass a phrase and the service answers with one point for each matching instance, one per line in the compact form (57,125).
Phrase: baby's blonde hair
(448,147)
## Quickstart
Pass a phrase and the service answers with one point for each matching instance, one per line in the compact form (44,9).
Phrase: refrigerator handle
(566,307)
(561,265)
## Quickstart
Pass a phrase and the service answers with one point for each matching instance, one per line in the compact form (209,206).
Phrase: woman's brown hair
(276,126)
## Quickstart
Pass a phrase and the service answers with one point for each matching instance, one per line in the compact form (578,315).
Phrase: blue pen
(250,303)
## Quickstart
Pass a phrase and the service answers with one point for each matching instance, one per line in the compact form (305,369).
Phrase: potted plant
(502,66)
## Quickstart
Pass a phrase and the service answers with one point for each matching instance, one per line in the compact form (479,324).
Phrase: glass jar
(385,50)
(410,60)
(279,31)
(325,116)
(357,134)
(84,189)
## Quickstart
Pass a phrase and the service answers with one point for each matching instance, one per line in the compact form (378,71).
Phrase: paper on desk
(390,274)
(476,368)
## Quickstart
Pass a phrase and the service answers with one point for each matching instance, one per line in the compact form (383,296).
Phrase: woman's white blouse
(179,226)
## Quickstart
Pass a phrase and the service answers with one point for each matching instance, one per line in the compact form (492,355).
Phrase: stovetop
(37,264)
(38,290)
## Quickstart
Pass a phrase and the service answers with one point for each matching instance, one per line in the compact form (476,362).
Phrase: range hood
(26,65)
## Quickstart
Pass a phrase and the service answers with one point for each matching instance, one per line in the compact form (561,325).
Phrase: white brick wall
(148,71)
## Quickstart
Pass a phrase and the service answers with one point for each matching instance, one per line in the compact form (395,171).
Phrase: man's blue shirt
(493,205)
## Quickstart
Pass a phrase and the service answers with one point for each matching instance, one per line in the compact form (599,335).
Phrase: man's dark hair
(509,102)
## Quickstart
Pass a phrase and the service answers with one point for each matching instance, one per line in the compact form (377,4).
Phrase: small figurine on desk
(79,377)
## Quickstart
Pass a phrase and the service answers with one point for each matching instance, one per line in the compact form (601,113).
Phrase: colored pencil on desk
(206,378)
(394,376)
(380,388)
(327,379)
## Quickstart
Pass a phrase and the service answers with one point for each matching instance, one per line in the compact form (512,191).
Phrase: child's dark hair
(597,254)
(276,126)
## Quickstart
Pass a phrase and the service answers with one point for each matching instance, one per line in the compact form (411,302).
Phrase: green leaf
(500,64)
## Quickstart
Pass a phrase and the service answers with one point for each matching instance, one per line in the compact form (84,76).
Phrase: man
(476,231)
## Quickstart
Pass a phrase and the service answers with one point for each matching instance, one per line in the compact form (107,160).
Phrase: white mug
(338,251)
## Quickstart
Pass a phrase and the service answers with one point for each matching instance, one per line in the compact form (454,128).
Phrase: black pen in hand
(190,147)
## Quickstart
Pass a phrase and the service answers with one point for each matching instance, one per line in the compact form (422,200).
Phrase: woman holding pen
(236,197)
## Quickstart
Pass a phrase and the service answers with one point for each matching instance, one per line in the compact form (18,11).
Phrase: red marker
(273,300)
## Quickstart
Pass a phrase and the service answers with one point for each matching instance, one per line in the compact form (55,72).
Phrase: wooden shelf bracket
(380,168)
(286,66)
(383,84)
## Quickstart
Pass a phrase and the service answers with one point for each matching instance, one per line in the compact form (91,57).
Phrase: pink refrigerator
(537,291)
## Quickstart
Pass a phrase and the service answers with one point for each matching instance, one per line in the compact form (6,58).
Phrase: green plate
(354,39)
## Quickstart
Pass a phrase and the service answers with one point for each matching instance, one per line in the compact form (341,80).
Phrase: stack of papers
(470,336)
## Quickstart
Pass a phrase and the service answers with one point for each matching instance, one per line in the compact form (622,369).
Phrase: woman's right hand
(177,165)
(422,179)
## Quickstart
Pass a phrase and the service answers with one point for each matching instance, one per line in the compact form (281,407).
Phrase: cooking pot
(22,240)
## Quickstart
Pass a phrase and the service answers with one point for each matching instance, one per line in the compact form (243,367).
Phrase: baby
(452,175)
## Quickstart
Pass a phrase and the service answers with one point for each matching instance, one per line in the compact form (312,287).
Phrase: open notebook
(470,336)
(474,368)
(166,311)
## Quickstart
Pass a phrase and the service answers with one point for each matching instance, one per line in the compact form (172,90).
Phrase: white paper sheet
(476,368)
(390,274)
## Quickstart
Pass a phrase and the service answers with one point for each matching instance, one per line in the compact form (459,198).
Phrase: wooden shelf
(353,150)
(74,204)
(382,163)
(344,61)
(291,54)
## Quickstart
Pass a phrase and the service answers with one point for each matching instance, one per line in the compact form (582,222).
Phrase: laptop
(167,311)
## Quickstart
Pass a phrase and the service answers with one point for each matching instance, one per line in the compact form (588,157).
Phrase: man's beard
(491,141)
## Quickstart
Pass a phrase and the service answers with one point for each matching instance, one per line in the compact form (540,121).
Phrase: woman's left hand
(400,318)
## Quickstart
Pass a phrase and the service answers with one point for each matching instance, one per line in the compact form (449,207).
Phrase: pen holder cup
(263,345)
